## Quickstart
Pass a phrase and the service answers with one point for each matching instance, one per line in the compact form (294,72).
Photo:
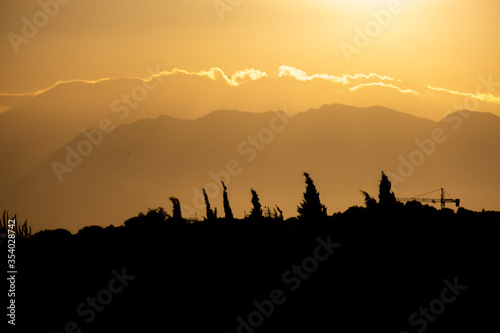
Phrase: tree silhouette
(176,210)
(210,213)
(386,197)
(256,212)
(227,209)
(311,207)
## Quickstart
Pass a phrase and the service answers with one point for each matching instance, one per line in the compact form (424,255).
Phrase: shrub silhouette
(273,214)
(152,217)
(311,207)
(277,213)
(20,230)
(370,202)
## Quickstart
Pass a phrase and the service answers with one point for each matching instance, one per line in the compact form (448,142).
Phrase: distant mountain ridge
(50,119)
(344,148)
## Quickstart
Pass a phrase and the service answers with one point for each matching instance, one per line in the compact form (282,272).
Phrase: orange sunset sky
(445,44)
(67,65)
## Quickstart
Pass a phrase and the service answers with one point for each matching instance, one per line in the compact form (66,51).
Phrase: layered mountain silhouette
(139,165)
(45,122)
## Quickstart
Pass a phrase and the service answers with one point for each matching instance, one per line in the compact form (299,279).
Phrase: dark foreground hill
(411,269)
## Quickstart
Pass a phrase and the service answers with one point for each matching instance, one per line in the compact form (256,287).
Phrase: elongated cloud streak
(41,91)
(382,84)
(355,81)
(214,73)
(344,79)
(234,80)
(483,97)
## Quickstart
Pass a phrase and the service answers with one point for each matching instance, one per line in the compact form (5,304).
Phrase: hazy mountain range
(44,121)
(142,162)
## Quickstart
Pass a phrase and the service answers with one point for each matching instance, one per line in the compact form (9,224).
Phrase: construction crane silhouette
(442,200)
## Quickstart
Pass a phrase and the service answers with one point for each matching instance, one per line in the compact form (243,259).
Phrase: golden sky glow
(70,65)
(445,44)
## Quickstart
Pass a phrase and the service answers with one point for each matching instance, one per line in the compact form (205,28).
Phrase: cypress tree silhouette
(311,207)
(176,210)
(210,213)
(386,197)
(256,212)
(227,209)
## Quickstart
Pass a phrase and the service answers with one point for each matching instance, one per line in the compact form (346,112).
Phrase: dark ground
(201,277)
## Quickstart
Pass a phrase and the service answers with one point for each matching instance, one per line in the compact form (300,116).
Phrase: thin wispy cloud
(41,91)
(214,73)
(236,79)
(387,85)
(483,97)
(344,79)
(352,81)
